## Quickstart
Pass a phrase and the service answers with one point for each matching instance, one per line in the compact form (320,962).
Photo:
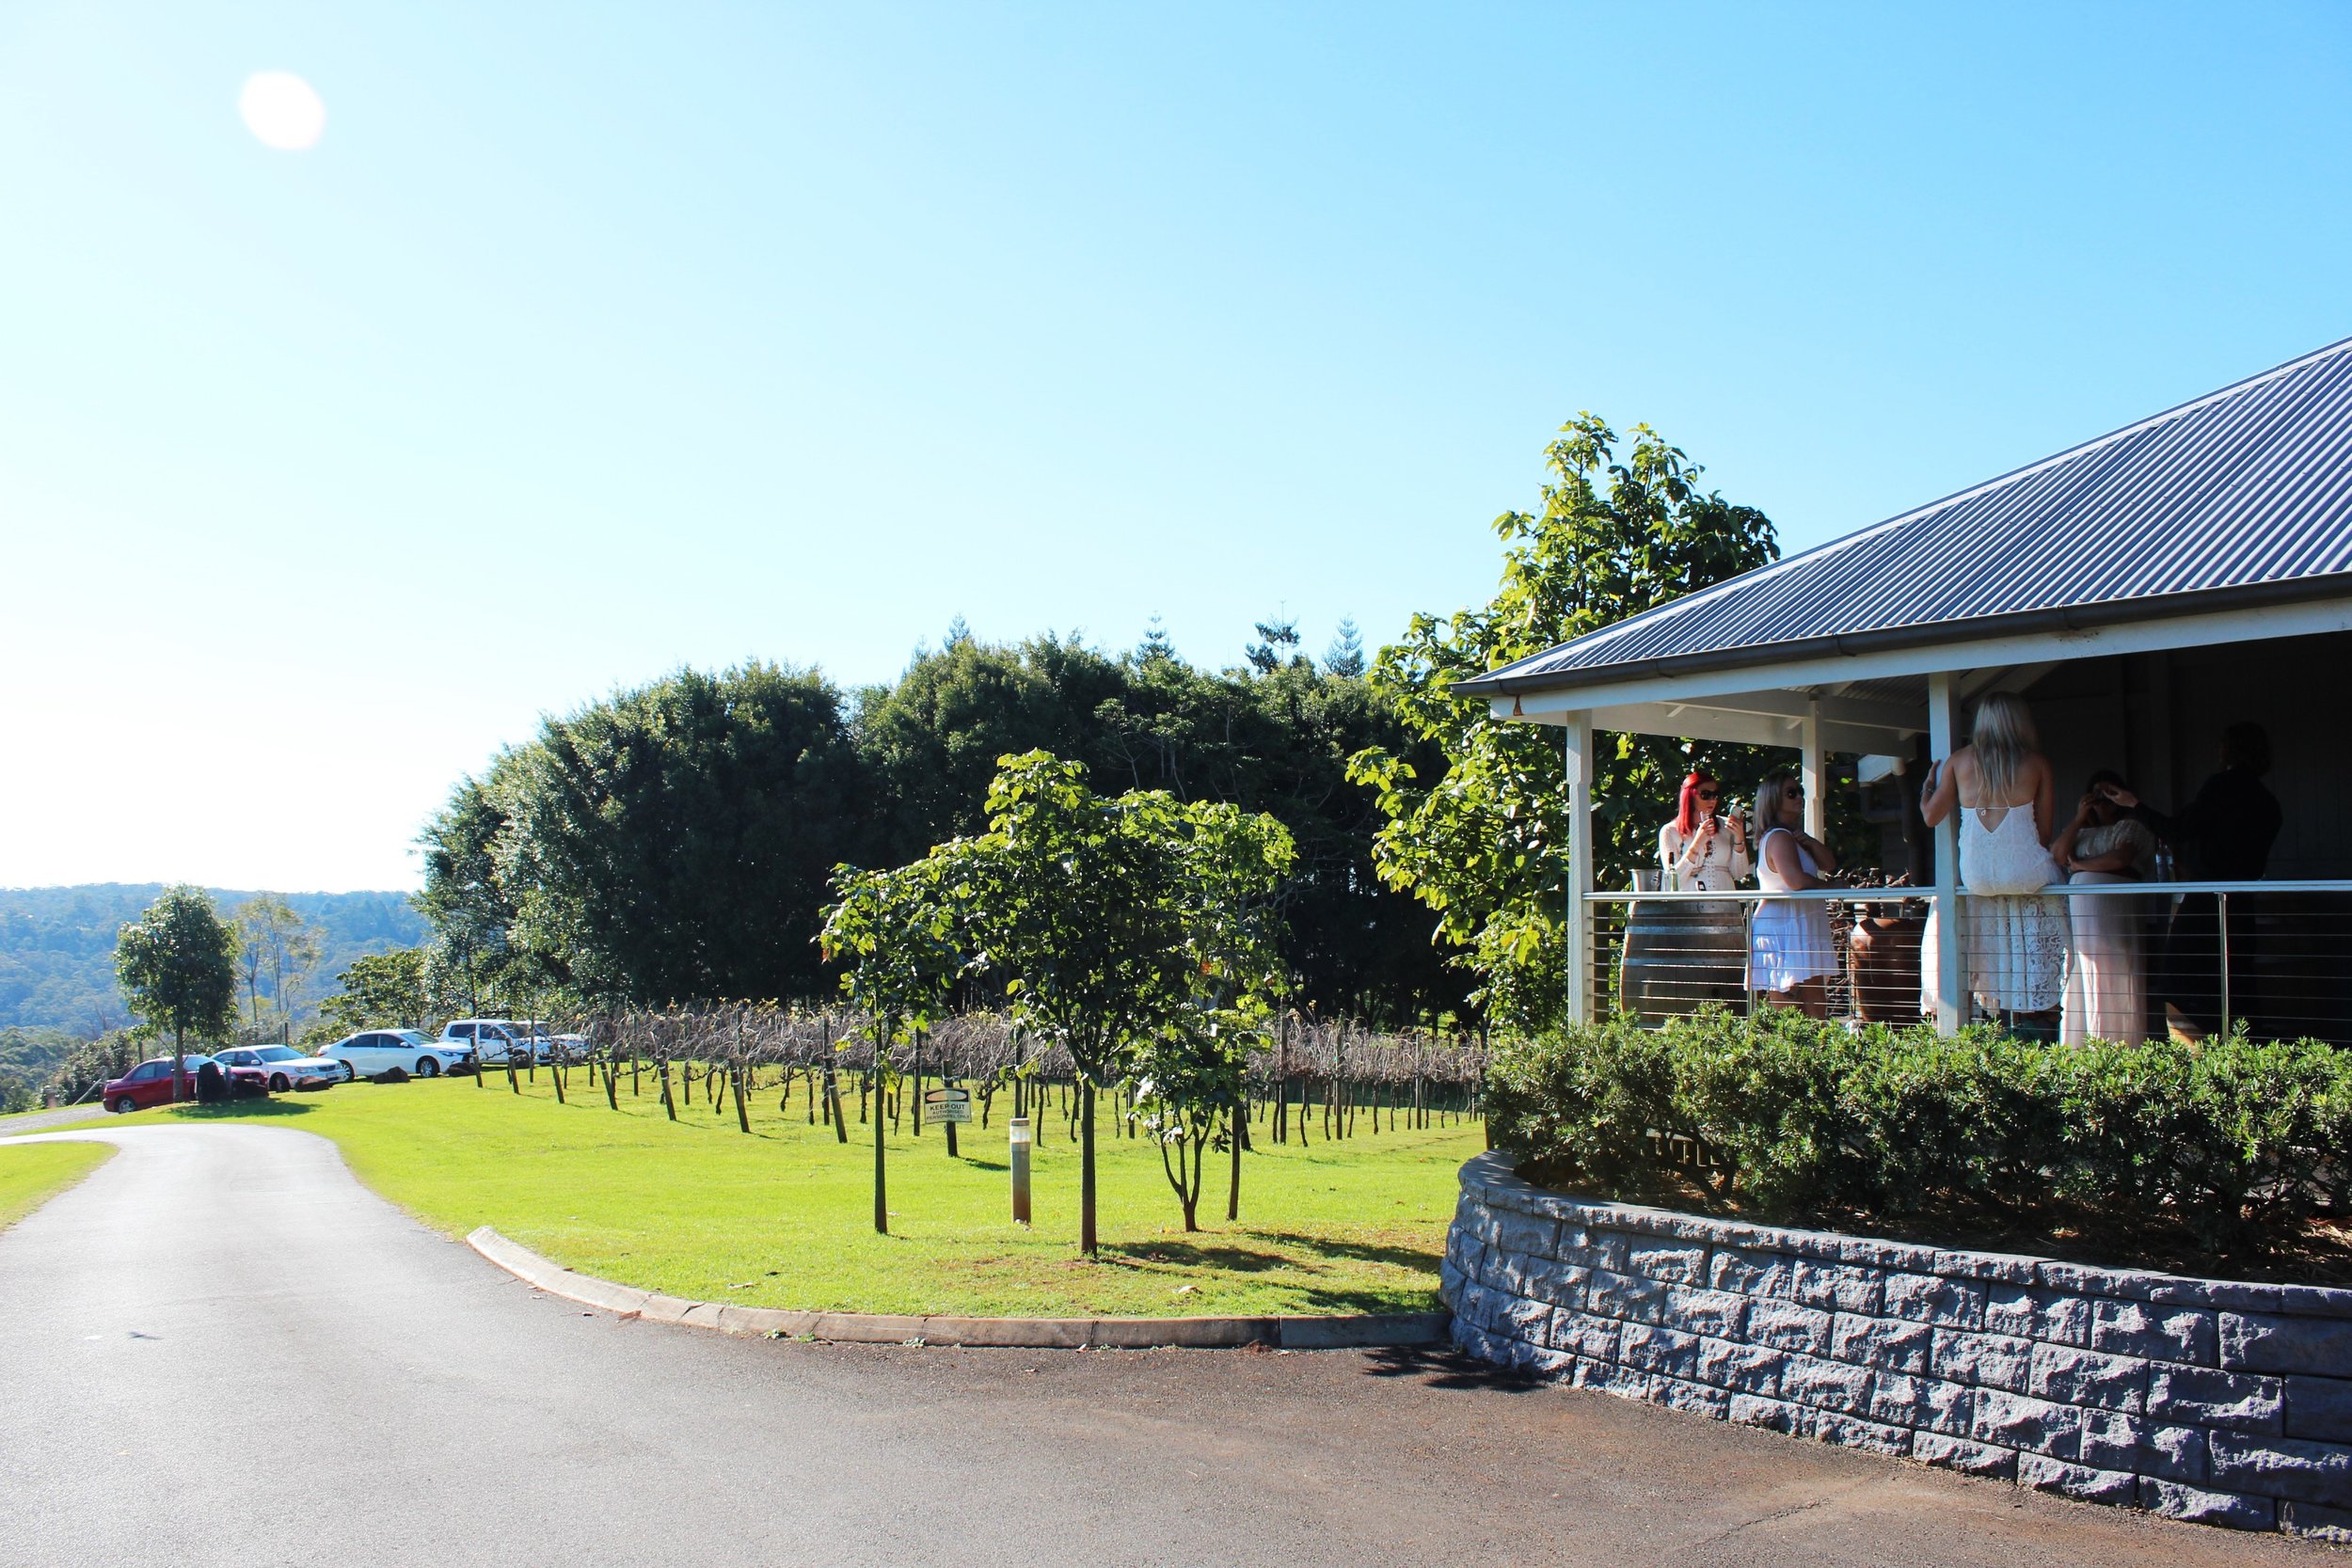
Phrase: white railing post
(1950,984)
(1580,866)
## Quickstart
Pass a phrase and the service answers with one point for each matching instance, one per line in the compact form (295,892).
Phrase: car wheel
(277,1084)
(428,1066)
(123,1106)
(351,1075)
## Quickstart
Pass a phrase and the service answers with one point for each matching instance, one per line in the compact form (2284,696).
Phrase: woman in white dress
(1703,849)
(2013,938)
(2107,985)
(1790,951)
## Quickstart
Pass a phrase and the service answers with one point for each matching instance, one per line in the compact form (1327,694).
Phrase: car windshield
(409,1035)
(194,1061)
(279,1054)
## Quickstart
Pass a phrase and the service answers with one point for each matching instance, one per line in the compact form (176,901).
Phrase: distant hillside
(57,944)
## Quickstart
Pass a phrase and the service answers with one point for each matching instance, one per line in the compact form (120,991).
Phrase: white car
(288,1069)
(374,1051)
(495,1040)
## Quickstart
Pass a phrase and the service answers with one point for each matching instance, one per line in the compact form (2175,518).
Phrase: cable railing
(2110,960)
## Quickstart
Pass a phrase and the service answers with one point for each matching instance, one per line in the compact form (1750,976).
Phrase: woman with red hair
(1704,849)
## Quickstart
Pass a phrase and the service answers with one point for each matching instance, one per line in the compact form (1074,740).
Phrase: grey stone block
(2155,1331)
(2230,1510)
(1672,1262)
(2035,1426)
(1529,1234)
(1755,1411)
(1752,1273)
(2243,1296)
(1958,1453)
(2316,1522)
(2316,1301)
(2236,1402)
(1478,1306)
(1929,1298)
(1625,1295)
(1561,1284)
(2115,1441)
(2284,1468)
(1722,1314)
(1825,1384)
(1901,1399)
(1744,1369)
(2320,1407)
(1853,1432)
(1839,1287)
(2258,1342)
(1522,1319)
(1593,1250)
(1786,1325)
(1557,1366)
(2081,1279)
(1505,1272)
(2034,1313)
(1608,1377)
(1483,1223)
(1989,1268)
(2088,1377)
(1987,1360)
(2044,1474)
(1479,1343)
(1583,1333)
(2009,1308)
(1889,1344)
(1659,1349)
(1696,1399)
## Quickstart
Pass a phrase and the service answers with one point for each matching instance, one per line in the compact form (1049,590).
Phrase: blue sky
(593,340)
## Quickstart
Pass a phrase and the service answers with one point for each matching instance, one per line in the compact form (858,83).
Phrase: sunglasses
(1709,795)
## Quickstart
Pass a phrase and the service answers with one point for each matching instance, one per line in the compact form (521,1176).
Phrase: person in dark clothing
(2224,835)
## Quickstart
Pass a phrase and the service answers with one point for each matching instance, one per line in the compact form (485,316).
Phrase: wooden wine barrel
(1882,964)
(1678,958)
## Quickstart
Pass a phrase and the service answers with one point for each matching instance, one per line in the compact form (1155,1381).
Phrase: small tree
(896,936)
(380,990)
(1102,917)
(178,966)
(273,938)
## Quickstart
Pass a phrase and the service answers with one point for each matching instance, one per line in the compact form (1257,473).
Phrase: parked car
(287,1068)
(495,1040)
(373,1051)
(571,1050)
(148,1083)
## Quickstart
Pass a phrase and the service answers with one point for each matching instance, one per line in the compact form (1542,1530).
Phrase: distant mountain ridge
(57,944)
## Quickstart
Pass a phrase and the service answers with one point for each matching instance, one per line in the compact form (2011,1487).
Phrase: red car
(150,1083)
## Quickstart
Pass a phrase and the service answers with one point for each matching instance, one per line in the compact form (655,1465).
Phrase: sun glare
(281,110)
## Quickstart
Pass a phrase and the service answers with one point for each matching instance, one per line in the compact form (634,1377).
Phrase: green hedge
(2233,1144)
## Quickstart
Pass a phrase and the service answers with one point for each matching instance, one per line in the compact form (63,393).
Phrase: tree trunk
(1240,1131)
(1085,1166)
(882,1200)
(742,1117)
(611,1081)
(832,1103)
(669,1100)
(178,1059)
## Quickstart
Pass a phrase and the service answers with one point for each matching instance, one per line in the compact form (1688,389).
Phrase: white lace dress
(2014,938)
(1788,940)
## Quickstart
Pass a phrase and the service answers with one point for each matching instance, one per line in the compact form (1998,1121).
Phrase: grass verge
(32,1173)
(782,1216)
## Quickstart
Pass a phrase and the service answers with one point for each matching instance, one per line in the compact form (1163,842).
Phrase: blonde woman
(2014,938)
(1790,952)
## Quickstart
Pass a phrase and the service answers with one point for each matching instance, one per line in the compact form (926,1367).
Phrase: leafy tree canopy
(177,965)
(1482,840)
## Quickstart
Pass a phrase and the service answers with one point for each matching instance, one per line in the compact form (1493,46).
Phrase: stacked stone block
(2224,1402)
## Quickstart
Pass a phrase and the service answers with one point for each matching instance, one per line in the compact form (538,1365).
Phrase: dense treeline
(674,842)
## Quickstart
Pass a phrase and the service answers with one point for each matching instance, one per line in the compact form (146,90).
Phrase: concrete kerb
(868,1328)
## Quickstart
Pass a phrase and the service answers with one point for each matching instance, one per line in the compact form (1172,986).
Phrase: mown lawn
(782,1217)
(32,1173)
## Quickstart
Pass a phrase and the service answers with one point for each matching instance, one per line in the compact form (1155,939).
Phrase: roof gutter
(2057,619)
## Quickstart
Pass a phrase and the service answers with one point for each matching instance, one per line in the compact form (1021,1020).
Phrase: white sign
(947,1105)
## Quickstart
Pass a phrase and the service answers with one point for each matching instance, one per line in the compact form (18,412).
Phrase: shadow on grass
(1423,1258)
(239,1110)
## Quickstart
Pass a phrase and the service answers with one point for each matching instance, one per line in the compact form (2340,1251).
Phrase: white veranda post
(1943,728)
(1816,788)
(1580,867)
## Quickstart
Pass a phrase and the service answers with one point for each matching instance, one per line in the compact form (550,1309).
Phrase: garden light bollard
(1018,1131)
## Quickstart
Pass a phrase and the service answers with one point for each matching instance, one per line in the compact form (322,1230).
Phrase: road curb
(868,1328)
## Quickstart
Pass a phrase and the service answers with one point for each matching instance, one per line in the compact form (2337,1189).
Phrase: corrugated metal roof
(2244,495)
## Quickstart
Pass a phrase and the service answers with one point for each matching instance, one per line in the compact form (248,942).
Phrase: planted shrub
(2231,1144)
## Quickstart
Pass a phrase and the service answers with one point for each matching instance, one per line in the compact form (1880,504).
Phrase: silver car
(288,1069)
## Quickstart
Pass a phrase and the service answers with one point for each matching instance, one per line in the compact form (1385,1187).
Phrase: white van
(497,1041)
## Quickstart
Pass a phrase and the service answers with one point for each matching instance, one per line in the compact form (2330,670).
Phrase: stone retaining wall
(2208,1400)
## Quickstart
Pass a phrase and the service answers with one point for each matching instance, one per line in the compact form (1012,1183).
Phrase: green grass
(32,1173)
(784,1217)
